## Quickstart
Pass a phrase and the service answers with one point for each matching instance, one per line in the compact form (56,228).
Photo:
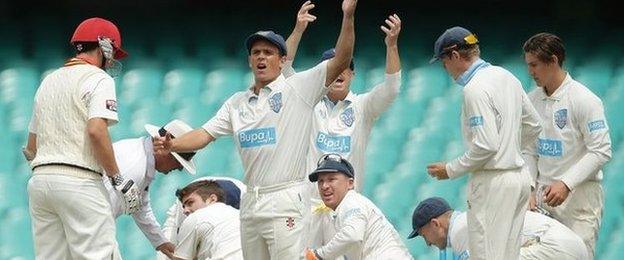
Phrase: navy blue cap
(328,54)
(269,36)
(231,191)
(425,211)
(452,38)
(332,163)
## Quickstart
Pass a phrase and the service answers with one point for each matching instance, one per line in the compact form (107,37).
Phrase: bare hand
(163,145)
(166,248)
(392,31)
(556,193)
(304,17)
(438,170)
(348,7)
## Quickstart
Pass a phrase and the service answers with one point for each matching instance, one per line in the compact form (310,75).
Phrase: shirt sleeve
(146,221)
(32,125)
(100,98)
(595,132)
(351,233)
(481,121)
(188,240)
(381,96)
(172,223)
(309,85)
(531,128)
(288,69)
(220,124)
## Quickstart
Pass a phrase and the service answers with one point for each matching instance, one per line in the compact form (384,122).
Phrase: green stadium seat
(140,83)
(180,84)
(18,84)
(596,75)
(220,84)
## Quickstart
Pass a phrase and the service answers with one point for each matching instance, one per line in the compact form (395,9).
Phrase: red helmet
(89,31)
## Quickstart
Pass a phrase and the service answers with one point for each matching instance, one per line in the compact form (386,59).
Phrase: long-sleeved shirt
(495,107)
(534,230)
(345,126)
(135,159)
(575,143)
(362,232)
(212,232)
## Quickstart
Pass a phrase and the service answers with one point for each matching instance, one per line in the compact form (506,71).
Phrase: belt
(66,169)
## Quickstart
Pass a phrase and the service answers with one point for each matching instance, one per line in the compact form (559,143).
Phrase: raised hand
(392,31)
(304,17)
(348,7)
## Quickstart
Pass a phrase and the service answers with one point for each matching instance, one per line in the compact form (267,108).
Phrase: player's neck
(335,97)
(558,79)
(88,58)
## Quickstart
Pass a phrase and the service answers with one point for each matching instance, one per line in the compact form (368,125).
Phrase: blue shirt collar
(465,77)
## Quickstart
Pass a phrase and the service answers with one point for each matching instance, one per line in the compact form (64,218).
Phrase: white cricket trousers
(582,212)
(274,221)
(556,243)
(71,218)
(497,202)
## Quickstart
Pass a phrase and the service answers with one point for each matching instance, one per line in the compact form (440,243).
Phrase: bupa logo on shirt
(561,118)
(348,117)
(275,102)
(333,143)
(257,137)
(550,147)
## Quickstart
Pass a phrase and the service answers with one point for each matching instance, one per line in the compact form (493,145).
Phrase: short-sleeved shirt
(271,128)
(98,95)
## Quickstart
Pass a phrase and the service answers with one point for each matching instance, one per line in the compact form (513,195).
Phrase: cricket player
(175,214)
(494,108)
(343,120)
(575,143)
(69,154)
(271,122)
(137,161)
(362,231)
(542,237)
(212,228)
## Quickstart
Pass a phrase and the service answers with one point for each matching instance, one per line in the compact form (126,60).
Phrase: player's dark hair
(204,189)
(82,47)
(544,46)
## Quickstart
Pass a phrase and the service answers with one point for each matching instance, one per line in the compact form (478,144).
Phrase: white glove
(130,192)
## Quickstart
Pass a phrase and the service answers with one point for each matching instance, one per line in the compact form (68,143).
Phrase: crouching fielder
(362,231)
(176,216)
(541,237)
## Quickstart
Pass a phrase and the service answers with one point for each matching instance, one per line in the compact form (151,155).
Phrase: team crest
(561,117)
(275,102)
(348,117)
(290,223)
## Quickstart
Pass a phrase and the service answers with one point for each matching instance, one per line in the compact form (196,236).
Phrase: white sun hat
(176,128)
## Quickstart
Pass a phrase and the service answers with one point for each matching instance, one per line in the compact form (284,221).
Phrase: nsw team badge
(348,117)
(275,102)
(561,117)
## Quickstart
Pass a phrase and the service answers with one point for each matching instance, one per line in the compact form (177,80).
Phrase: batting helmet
(93,28)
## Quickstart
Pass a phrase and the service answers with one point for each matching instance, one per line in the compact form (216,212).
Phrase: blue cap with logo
(269,36)
(332,163)
(328,54)
(451,39)
(231,191)
(425,211)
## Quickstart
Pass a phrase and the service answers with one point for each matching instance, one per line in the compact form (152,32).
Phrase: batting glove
(130,192)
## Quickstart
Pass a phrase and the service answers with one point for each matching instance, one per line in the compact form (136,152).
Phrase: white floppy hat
(176,128)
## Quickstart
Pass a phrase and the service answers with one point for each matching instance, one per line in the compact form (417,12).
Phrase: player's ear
(555,60)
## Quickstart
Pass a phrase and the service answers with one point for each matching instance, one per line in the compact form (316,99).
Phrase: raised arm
(344,45)
(303,18)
